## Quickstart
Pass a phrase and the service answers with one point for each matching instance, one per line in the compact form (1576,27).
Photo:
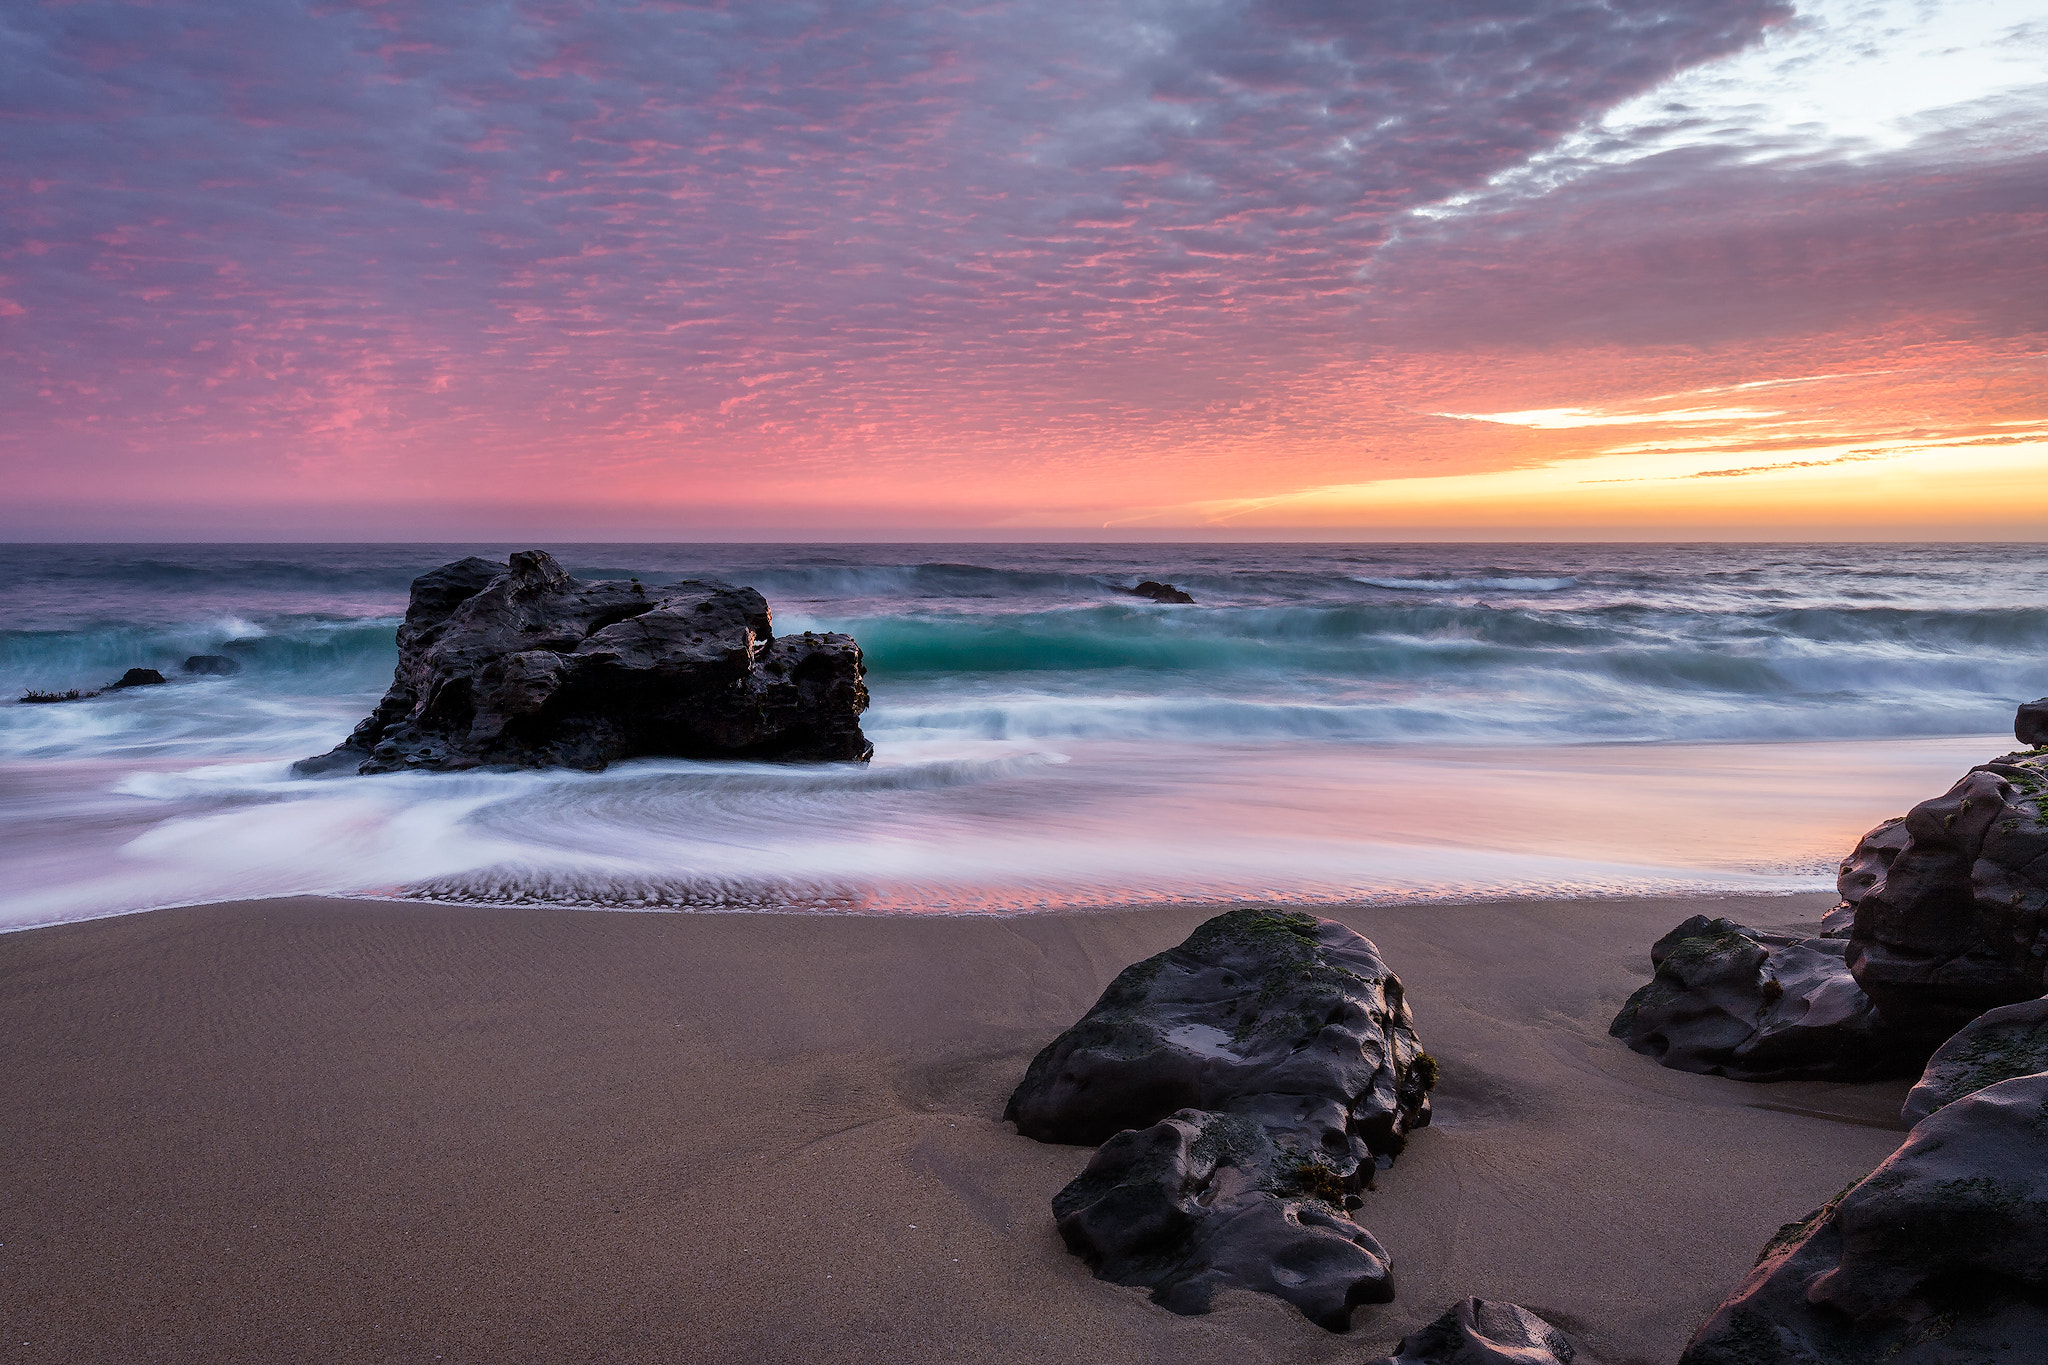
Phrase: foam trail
(952,826)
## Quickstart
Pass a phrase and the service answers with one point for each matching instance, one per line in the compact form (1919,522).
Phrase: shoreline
(407,1130)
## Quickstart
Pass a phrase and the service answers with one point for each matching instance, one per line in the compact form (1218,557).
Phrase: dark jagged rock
(135,677)
(1939,1257)
(1160,592)
(1289,1015)
(213,665)
(1866,866)
(2030,726)
(1245,1086)
(1202,1201)
(1481,1332)
(1997,1045)
(1958,924)
(523,665)
(1727,1000)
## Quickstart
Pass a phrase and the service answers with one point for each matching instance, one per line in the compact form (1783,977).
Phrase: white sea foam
(1326,724)
(1470,584)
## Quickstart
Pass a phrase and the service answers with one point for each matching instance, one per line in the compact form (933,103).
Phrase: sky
(1101,269)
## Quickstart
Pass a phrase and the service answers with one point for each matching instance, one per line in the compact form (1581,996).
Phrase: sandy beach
(334,1130)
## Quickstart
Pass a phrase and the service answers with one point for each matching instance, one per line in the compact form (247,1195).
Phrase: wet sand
(326,1130)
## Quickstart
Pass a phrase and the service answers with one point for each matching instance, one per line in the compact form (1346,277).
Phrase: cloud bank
(923,260)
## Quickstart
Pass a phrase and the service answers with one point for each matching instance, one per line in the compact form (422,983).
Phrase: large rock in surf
(1997,1045)
(1202,1201)
(523,665)
(1483,1332)
(1958,924)
(1938,1257)
(1727,1000)
(1245,1085)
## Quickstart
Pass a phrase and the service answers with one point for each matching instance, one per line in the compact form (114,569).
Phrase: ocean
(1327,723)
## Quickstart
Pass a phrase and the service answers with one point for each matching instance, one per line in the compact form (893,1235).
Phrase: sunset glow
(1241,267)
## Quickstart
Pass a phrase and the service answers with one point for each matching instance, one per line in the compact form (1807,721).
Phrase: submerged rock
(1997,1045)
(1160,592)
(135,677)
(1481,1332)
(1939,1257)
(1958,923)
(1727,1000)
(521,664)
(1244,1085)
(1202,1201)
(214,665)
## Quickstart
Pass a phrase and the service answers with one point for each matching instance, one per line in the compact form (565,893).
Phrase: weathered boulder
(212,665)
(2030,725)
(523,665)
(135,677)
(1244,1085)
(1160,592)
(1286,1016)
(1727,1000)
(1202,1201)
(1938,1257)
(1958,923)
(1483,1332)
(1997,1045)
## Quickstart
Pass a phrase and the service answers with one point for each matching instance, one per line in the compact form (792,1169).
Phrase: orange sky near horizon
(1777,272)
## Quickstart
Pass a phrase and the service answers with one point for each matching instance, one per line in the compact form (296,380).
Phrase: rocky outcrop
(2030,726)
(1939,1257)
(135,677)
(520,664)
(1997,1045)
(1245,1086)
(1202,1201)
(1727,1000)
(1958,922)
(1160,592)
(1867,865)
(1481,1332)
(212,665)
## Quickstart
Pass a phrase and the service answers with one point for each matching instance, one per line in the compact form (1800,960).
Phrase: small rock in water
(1997,1045)
(1161,592)
(212,665)
(1244,1087)
(1483,1332)
(1727,1000)
(1938,1257)
(135,677)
